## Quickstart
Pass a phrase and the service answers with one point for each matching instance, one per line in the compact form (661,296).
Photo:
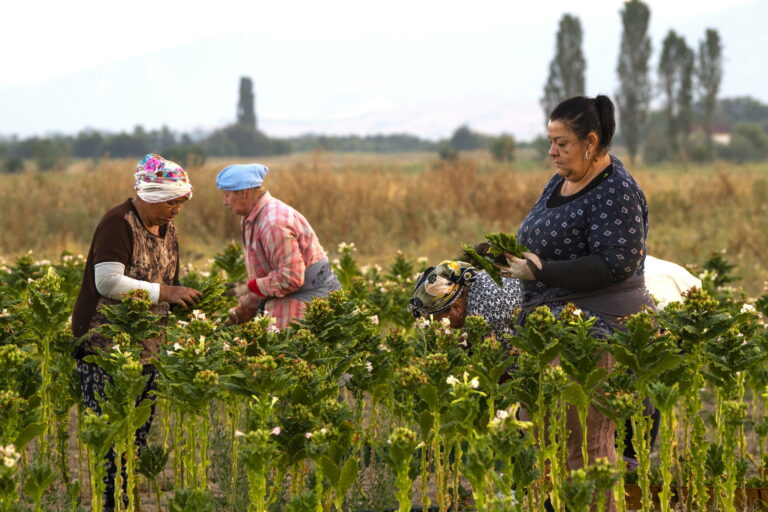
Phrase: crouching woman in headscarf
(134,247)
(455,289)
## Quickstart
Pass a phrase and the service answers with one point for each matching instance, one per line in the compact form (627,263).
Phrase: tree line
(687,82)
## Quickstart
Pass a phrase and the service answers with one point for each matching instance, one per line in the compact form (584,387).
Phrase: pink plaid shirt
(279,244)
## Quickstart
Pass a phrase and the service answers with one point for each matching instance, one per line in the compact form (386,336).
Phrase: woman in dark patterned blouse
(587,236)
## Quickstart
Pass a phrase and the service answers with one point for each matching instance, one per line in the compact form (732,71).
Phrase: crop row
(309,418)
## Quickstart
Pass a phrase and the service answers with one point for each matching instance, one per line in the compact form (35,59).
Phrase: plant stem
(456,471)
(425,501)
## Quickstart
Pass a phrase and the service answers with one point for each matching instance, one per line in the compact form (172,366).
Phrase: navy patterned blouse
(496,305)
(609,217)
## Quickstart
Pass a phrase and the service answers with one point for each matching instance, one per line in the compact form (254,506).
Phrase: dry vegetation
(384,203)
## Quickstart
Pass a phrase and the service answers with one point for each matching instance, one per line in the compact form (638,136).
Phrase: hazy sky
(334,67)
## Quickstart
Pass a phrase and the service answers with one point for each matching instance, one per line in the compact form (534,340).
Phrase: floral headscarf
(438,287)
(159,180)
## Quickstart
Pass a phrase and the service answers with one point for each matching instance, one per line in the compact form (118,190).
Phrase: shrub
(13,164)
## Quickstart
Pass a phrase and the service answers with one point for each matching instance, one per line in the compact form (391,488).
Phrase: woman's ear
(457,312)
(592,143)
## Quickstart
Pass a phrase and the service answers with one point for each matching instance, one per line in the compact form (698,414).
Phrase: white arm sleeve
(112,282)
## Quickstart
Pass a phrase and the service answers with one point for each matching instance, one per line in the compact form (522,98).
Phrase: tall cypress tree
(566,71)
(709,74)
(246,112)
(634,94)
(676,80)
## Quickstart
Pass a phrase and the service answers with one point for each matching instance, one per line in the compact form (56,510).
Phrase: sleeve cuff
(255,288)
(154,293)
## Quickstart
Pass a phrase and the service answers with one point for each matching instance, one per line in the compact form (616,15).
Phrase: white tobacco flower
(374,319)
(308,435)
(197,351)
(343,246)
(577,312)
(369,366)
(422,444)
(422,260)
(323,431)
(182,323)
(4,313)
(239,434)
(474,383)
(8,462)
(747,308)
(384,348)
(502,414)
(422,323)
(451,380)
(335,262)
(445,322)
(198,315)
(177,346)
(275,431)
(226,347)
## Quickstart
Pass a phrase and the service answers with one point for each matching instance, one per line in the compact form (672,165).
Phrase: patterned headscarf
(438,287)
(159,180)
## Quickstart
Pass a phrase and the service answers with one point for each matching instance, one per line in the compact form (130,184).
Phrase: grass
(385,203)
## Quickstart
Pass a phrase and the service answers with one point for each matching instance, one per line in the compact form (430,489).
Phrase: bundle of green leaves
(488,255)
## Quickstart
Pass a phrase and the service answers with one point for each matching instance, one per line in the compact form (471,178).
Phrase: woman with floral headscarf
(134,247)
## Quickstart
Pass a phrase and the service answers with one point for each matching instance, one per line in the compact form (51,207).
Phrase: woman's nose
(552,150)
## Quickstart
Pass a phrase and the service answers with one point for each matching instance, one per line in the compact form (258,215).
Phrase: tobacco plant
(152,461)
(398,454)
(126,413)
(47,310)
(9,468)
(39,477)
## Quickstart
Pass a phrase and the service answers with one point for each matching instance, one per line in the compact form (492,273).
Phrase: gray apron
(319,281)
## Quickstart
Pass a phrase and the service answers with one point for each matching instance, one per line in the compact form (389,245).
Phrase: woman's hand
(179,295)
(233,318)
(518,267)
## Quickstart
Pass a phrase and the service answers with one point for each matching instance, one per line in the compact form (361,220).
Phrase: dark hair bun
(584,115)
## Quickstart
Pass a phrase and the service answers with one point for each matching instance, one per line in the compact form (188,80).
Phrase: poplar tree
(566,71)
(709,74)
(246,112)
(676,81)
(634,94)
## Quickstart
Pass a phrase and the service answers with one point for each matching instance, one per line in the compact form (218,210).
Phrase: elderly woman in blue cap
(287,266)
